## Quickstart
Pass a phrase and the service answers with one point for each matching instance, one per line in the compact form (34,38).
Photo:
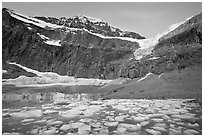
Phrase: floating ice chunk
(50,111)
(111,118)
(160,125)
(70,113)
(121,107)
(84,129)
(185,117)
(190,132)
(195,125)
(103,131)
(157,120)
(131,127)
(175,132)
(76,125)
(120,118)
(177,119)
(76,111)
(153,132)
(88,120)
(161,129)
(181,123)
(121,130)
(111,124)
(96,103)
(144,123)
(71,126)
(95,125)
(166,117)
(65,127)
(28,120)
(139,119)
(26,114)
(49,132)
(55,123)
(92,110)
(12,133)
(34,131)
(40,121)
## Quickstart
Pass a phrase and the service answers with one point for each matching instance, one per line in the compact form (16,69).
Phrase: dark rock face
(81,53)
(179,49)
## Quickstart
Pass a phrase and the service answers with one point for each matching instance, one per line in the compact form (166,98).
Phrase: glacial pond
(38,112)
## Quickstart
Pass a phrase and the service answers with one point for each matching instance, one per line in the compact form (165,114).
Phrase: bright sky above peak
(147,19)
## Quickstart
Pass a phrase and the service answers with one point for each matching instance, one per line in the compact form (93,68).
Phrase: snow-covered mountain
(53,47)
(87,47)
(93,25)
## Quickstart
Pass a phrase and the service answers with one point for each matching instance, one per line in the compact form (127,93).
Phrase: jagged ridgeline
(85,47)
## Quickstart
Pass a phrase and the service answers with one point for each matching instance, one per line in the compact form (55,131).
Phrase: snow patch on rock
(53,42)
(4,71)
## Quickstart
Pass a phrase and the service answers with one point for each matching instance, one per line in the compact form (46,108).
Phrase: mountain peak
(91,19)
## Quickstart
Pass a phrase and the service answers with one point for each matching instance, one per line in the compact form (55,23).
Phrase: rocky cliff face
(69,51)
(178,49)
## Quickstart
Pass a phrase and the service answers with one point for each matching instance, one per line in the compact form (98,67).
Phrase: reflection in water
(39,97)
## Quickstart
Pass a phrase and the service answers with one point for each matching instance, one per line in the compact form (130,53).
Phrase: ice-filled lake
(63,113)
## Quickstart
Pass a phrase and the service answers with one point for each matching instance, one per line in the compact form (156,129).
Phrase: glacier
(49,79)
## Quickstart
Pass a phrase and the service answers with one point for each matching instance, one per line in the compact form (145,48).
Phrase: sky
(145,18)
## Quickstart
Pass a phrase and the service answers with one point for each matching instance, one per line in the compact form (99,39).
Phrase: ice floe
(55,123)
(121,130)
(111,124)
(144,123)
(34,131)
(161,129)
(50,111)
(139,119)
(28,120)
(49,132)
(106,117)
(120,118)
(131,127)
(190,132)
(26,114)
(84,129)
(153,132)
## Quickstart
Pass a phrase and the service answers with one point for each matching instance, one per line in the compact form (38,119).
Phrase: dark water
(15,97)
